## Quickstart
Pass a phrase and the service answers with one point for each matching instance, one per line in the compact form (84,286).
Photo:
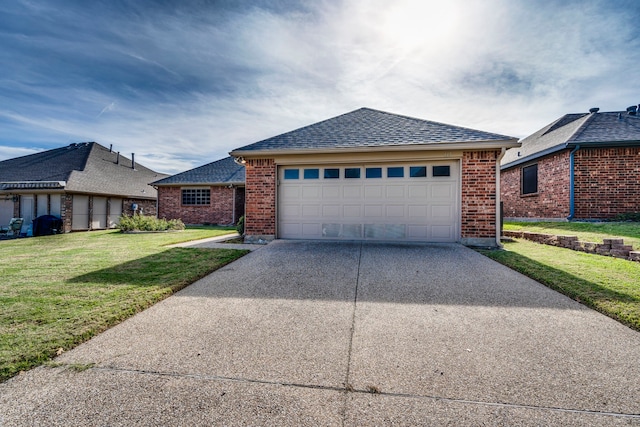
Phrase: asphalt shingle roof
(589,129)
(366,127)
(223,171)
(86,167)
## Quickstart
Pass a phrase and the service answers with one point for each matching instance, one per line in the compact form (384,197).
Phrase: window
(373,173)
(530,179)
(352,173)
(417,171)
(311,173)
(441,171)
(291,174)
(395,172)
(331,173)
(196,196)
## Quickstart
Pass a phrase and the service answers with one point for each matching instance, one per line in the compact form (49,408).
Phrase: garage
(373,175)
(416,201)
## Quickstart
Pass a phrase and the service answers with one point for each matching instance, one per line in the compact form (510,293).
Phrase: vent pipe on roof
(110,148)
(594,110)
(118,158)
(133,162)
(632,110)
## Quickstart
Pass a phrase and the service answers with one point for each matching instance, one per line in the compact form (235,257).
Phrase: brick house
(581,166)
(209,194)
(86,185)
(372,175)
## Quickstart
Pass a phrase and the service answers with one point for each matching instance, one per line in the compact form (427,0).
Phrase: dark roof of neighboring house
(86,167)
(365,128)
(616,128)
(223,171)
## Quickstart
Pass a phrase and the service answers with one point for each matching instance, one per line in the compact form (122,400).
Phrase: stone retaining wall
(608,247)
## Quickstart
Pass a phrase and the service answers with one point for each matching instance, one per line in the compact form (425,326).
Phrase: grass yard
(609,285)
(586,231)
(58,291)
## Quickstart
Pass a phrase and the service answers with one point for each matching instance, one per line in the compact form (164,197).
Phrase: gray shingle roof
(87,167)
(223,171)
(585,129)
(366,127)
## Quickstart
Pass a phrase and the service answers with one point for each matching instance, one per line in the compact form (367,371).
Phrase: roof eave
(462,146)
(182,184)
(569,145)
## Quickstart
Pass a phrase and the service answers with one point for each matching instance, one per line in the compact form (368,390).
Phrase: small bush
(240,225)
(630,216)
(148,223)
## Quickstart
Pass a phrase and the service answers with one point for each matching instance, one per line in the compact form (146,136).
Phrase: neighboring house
(582,166)
(372,175)
(209,194)
(87,185)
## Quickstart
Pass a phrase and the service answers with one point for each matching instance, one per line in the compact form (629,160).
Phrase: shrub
(240,225)
(630,216)
(138,222)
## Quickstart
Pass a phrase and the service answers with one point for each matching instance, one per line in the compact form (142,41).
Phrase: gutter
(571,183)
(498,218)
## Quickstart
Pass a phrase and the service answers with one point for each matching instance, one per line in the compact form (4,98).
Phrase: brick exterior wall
(607,182)
(552,199)
(220,211)
(260,211)
(478,217)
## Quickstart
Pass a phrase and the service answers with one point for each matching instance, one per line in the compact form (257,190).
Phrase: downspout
(233,209)
(571,183)
(498,219)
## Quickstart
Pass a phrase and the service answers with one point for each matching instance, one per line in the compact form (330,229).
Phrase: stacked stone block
(609,247)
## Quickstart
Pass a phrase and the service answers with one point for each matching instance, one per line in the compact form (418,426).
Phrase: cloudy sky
(181,83)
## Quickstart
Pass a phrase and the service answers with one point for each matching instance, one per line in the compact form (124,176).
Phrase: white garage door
(400,201)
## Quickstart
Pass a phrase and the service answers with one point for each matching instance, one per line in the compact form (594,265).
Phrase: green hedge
(148,223)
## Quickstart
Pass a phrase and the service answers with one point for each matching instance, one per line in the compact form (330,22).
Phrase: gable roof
(86,167)
(616,128)
(223,171)
(366,128)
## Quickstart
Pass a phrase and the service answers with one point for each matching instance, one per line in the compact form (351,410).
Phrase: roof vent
(632,110)
(594,110)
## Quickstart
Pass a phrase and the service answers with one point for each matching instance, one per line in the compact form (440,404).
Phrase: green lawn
(609,285)
(58,291)
(586,231)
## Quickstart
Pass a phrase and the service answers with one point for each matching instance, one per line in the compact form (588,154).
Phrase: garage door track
(346,334)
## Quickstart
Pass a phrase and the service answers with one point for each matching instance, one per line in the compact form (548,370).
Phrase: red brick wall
(148,206)
(552,199)
(607,182)
(220,211)
(260,211)
(479,194)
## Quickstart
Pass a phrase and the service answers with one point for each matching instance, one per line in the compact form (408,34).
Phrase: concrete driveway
(346,334)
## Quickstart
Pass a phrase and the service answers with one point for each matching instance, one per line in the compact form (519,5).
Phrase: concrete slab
(297,333)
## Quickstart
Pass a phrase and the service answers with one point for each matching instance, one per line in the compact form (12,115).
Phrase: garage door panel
(373,211)
(352,192)
(442,191)
(331,210)
(310,193)
(352,211)
(394,211)
(374,192)
(310,211)
(373,205)
(289,211)
(331,192)
(417,191)
(441,211)
(395,191)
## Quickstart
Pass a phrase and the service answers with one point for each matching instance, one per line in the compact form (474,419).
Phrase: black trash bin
(47,224)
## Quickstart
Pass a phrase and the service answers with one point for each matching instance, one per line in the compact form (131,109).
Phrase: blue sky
(182,83)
